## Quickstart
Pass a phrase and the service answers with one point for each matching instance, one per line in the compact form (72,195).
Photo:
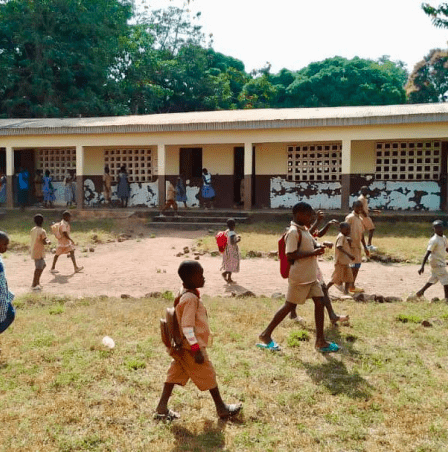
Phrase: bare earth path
(137,267)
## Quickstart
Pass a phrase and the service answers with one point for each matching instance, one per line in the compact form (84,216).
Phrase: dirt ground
(142,265)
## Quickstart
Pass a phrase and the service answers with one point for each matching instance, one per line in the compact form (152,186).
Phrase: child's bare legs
(72,256)
(369,240)
(224,411)
(162,407)
(287,308)
(36,278)
(319,320)
(355,274)
(327,303)
(55,259)
(426,286)
(226,276)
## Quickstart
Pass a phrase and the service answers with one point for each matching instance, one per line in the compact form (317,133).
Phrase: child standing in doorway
(65,243)
(38,241)
(436,253)
(231,255)
(191,361)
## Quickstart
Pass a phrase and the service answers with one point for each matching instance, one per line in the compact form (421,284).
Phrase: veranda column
(9,177)
(80,177)
(248,176)
(346,171)
(161,171)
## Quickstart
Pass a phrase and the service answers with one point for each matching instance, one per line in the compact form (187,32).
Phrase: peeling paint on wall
(321,195)
(392,195)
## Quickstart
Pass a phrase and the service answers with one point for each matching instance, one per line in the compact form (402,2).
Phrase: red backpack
(221,241)
(285,264)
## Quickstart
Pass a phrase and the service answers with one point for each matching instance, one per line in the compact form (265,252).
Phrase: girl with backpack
(231,254)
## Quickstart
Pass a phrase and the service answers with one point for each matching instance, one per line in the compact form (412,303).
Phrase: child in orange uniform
(191,361)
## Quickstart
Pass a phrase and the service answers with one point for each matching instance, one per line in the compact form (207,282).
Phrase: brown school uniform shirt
(191,313)
(356,229)
(37,246)
(365,204)
(170,192)
(303,271)
(340,257)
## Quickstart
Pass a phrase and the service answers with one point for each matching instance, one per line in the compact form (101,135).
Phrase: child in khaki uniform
(342,258)
(191,361)
(38,241)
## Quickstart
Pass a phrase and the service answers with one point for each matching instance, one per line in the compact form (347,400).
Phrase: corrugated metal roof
(231,120)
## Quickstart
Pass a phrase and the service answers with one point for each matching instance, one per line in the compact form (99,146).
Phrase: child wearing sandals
(334,318)
(303,281)
(191,361)
(231,255)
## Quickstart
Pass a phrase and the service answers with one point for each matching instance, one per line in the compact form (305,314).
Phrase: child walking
(231,255)
(436,253)
(366,218)
(38,241)
(170,199)
(65,244)
(191,361)
(302,282)
(7,311)
(354,219)
(342,258)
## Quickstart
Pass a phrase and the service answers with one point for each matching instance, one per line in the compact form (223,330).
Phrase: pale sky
(294,33)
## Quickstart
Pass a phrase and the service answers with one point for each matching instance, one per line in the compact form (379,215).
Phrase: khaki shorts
(368,223)
(183,368)
(342,274)
(438,274)
(299,293)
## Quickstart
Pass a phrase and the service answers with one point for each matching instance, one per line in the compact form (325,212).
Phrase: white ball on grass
(108,342)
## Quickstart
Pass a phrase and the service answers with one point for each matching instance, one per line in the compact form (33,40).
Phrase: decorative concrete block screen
(314,162)
(57,161)
(408,160)
(139,163)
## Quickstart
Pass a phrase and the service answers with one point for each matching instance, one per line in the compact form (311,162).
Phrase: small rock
(153,295)
(196,258)
(92,250)
(426,323)
(273,254)
(370,297)
(186,250)
(379,299)
(434,320)
(125,295)
(358,297)
(179,254)
(277,295)
(392,299)
(435,300)
(246,294)
(214,253)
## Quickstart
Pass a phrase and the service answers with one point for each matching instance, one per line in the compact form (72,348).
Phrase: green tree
(439,15)
(56,56)
(428,81)
(338,82)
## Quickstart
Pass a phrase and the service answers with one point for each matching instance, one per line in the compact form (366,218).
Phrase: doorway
(238,175)
(190,164)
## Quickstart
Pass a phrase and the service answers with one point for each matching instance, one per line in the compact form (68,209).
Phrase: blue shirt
(5,295)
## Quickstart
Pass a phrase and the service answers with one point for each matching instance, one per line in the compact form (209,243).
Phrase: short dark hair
(4,237)
(231,222)
(187,269)
(343,224)
(301,207)
(66,213)
(38,219)
(357,203)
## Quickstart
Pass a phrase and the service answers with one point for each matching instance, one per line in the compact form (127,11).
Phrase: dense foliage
(62,58)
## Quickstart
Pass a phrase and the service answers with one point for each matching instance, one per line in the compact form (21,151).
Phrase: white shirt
(437,245)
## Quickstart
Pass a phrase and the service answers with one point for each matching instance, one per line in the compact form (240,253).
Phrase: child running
(436,253)
(65,244)
(231,255)
(302,281)
(170,199)
(354,219)
(38,241)
(7,311)
(342,258)
(191,361)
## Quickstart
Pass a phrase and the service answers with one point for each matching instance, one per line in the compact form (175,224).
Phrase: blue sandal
(273,346)
(330,348)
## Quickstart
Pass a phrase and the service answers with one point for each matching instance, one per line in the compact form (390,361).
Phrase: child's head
(438,227)
(47,173)
(204,171)
(364,190)
(231,224)
(192,274)
(357,206)
(106,169)
(344,228)
(66,215)
(4,242)
(303,213)
(38,219)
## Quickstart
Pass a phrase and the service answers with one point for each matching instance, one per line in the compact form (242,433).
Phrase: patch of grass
(296,337)
(409,318)
(62,390)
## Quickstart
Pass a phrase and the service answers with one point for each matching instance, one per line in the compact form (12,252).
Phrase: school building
(319,155)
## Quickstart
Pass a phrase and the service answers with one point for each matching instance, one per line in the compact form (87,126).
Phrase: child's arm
(365,246)
(324,230)
(319,216)
(191,338)
(318,251)
(341,248)
(422,268)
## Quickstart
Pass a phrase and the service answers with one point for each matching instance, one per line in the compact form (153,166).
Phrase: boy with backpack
(190,360)
(65,244)
(303,279)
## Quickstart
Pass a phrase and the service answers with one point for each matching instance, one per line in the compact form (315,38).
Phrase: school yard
(62,390)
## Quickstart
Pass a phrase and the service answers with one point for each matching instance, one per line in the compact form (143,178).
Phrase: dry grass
(61,390)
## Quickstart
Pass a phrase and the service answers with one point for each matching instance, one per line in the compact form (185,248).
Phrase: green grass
(62,390)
